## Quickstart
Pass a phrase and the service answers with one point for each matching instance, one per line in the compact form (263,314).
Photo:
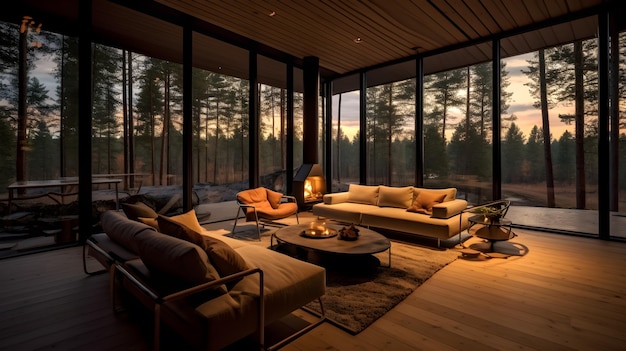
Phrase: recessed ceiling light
(358,40)
(272,13)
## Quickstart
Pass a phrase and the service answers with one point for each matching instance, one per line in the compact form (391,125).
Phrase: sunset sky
(521,104)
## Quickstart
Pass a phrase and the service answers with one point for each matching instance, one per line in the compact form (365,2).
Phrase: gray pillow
(134,211)
(180,261)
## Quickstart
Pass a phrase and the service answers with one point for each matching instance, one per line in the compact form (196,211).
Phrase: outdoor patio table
(62,183)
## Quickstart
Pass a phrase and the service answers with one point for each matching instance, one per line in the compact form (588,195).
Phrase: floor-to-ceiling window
(549,138)
(220,118)
(458,128)
(390,133)
(38,136)
(272,123)
(345,138)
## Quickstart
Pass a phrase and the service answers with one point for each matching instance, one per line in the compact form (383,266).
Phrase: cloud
(516,108)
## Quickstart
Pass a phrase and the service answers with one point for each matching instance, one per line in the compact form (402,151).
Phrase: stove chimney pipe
(310,138)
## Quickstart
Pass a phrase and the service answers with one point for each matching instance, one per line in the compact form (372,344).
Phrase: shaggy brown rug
(360,292)
(356,298)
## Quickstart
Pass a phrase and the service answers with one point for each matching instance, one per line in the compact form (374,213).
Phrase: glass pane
(39,139)
(220,117)
(550,138)
(273,124)
(457,130)
(345,153)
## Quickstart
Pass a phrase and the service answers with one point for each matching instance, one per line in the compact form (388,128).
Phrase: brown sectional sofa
(390,208)
(179,280)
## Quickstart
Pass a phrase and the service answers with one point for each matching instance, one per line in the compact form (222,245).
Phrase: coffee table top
(369,242)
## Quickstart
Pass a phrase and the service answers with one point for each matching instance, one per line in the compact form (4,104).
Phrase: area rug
(354,301)
(355,298)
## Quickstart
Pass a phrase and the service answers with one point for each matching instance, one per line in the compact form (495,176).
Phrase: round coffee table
(369,242)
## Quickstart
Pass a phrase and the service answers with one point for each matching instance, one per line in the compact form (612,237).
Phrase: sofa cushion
(449,192)
(253,196)
(274,198)
(225,260)
(407,222)
(122,230)
(139,209)
(425,201)
(363,194)
(345,211)
(289,283)
(400,197)
(178,261)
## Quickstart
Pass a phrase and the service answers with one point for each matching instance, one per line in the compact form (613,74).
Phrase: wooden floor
(566,293)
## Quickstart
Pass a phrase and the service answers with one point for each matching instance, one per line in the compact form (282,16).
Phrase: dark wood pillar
(419,122)
(290,127)
(187,119)
(496,160)
(310,137)
(604,220)
(253,123)
(85,102)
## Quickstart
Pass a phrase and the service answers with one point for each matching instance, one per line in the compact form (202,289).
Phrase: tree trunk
(338,156)
(217,136)
(546,130)
(20,159)
(131,124)
(164,134)
(125,126)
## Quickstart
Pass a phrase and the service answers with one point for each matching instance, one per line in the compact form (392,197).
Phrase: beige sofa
(210,289)
(430,212)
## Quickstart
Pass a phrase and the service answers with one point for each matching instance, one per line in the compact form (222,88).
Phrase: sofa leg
(115,291)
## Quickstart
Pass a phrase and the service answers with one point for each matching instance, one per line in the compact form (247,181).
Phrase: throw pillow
(149,221)
(425,201)
(363,194)
(274,198)
(139,209)
(175,261)
(395,196)
(225,260)
(189,219)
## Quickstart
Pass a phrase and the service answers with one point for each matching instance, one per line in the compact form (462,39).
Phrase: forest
(137,121)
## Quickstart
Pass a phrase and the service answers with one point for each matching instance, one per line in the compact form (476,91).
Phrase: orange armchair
(265,206)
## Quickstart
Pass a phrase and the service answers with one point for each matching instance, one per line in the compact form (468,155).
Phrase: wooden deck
(567,293)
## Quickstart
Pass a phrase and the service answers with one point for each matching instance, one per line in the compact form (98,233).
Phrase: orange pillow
(149,221)
(252,196)
(274,198)
(425,201)
(189,219)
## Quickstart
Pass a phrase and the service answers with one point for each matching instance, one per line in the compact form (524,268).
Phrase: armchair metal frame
(163,301)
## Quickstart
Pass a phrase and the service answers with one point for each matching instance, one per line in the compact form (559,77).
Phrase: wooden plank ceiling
(388,30)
